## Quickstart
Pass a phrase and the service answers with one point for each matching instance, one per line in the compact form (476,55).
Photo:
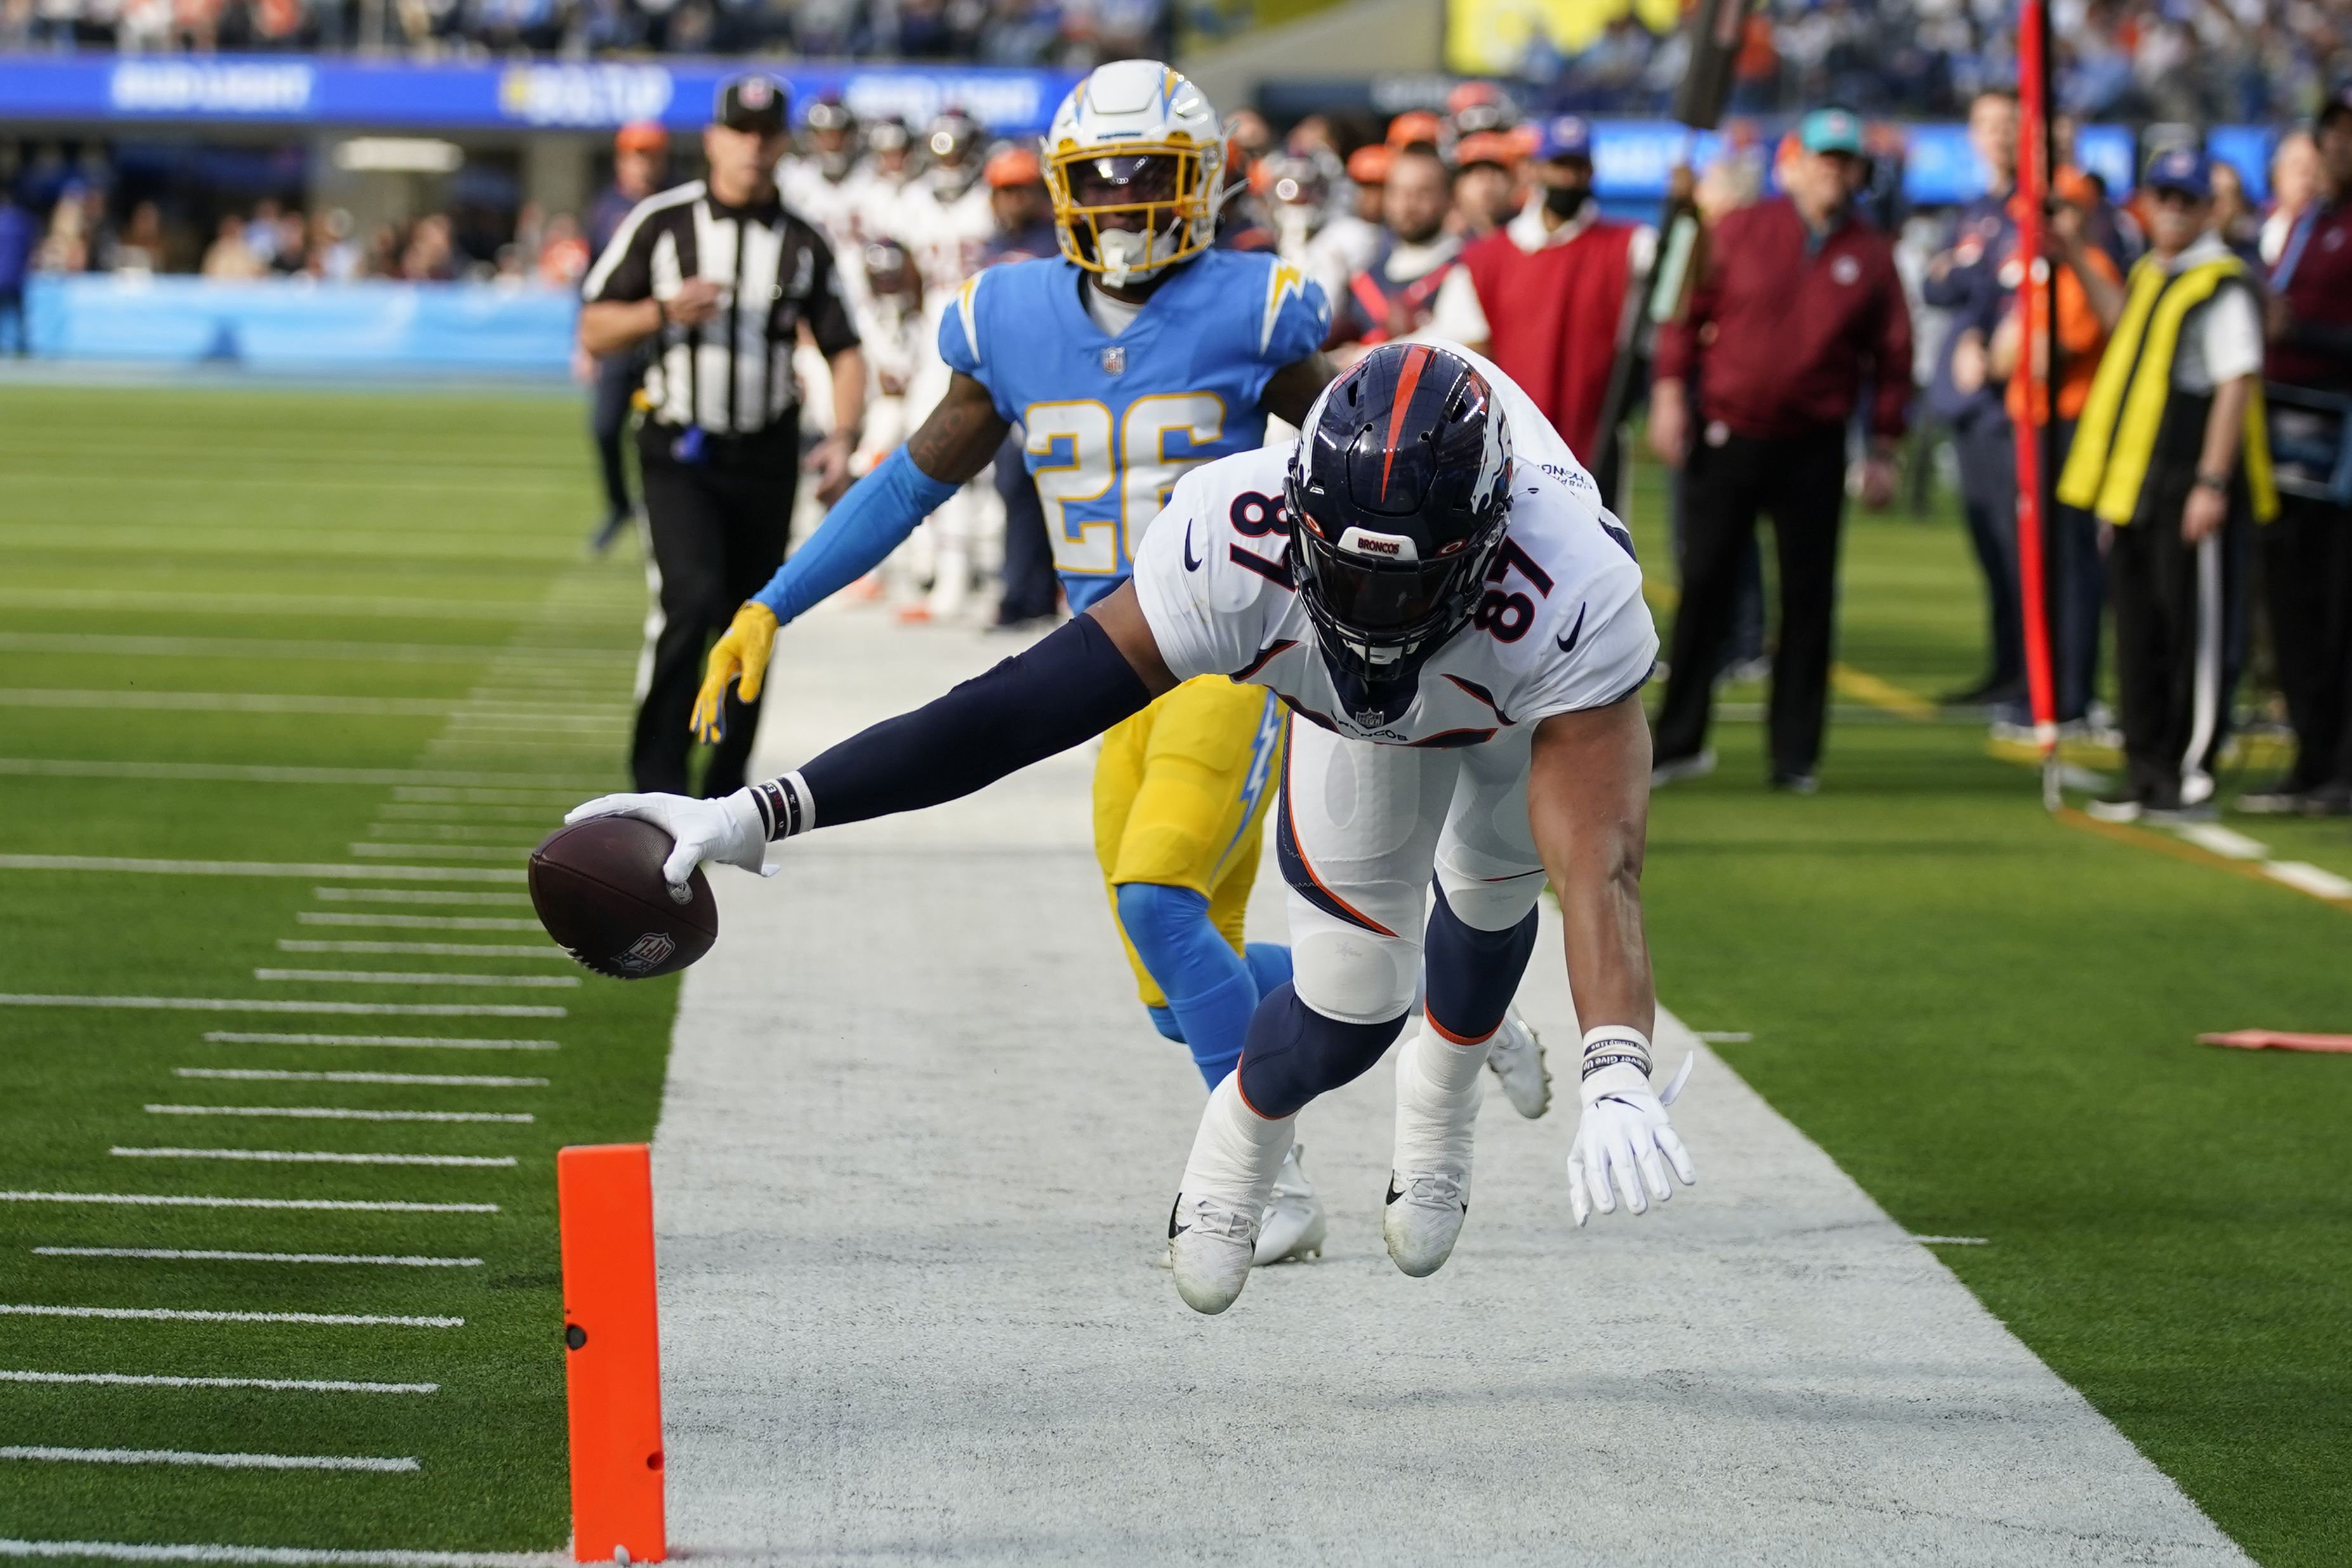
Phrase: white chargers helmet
(1136,164)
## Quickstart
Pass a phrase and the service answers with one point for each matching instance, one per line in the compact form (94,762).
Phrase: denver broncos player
(1428,578)
(1133,357)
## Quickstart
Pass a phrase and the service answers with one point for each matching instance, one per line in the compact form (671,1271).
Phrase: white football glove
(1623,1139)
(730,830)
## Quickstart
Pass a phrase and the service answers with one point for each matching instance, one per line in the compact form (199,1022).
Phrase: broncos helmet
(1399,492)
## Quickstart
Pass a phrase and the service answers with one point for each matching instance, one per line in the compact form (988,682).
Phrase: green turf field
(356,632)
(1987,1018)
(307,628)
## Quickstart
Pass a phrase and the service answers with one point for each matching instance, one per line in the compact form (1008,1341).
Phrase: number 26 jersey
(1560,623)
(1112,424)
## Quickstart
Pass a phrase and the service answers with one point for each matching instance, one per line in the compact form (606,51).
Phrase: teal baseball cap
(1831,130)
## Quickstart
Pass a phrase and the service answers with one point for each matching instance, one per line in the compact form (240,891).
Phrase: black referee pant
(2307,580)
(1986,449)
(718,529)
(2176,613)
(1801,480)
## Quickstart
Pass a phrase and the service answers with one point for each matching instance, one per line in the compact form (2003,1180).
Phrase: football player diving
(1427,577)
(1133,357)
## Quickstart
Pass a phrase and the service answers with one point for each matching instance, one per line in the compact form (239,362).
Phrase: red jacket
(1780,342)
(1553,321)
(2318,349)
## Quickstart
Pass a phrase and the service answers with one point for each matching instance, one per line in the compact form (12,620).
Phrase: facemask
(1124,253)
(1564,201)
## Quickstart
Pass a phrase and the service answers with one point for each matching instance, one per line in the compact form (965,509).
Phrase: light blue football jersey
(1113,422)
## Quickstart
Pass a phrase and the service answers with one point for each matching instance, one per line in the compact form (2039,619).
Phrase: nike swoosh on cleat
(1393,1194)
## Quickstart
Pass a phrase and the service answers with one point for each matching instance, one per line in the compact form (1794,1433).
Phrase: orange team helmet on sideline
(641,136)
(1415,125)
(1369,165)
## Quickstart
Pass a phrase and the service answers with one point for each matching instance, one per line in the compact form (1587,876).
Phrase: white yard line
(226,702)
(200,1254)
(507,853)
(255,868)
(452,833)
(339,1113)
(281,1075)
(318,1156)
(404,1041)
(282,1556)
(2304,877)
(120,647)
(2225,841)
(430,949)
(395,813)
(208,1461)
(417,921)
(176,1200)
(406,783)
(256,1004)
(301,604)
(412,896)
(279,1384)
(416,978)
(181,1315)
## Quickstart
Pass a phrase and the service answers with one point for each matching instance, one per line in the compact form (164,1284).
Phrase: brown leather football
(598,888)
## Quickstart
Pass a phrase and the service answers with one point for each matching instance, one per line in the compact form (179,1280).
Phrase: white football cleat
(1292,1225)
(1429,1185)
(1210,1247)
(1517,1057)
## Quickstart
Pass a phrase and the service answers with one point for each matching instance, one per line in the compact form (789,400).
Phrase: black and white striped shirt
(733,373)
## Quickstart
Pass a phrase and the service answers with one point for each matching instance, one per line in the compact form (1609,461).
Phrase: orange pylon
(612,1361)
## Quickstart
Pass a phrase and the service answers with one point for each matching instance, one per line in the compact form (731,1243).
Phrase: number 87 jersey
(1112,424)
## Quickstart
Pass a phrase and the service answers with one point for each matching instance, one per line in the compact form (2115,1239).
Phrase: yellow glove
(740,655)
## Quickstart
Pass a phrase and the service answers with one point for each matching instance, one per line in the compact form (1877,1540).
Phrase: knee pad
(1472,974)
(1354,976)
(1295,1053)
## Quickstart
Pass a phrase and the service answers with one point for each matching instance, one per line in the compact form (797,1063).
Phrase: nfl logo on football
(649,951)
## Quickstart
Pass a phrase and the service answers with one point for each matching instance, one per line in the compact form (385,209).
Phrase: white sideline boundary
(282,1556)
(274,1385)
(403,1041)
(176,1200)
(204,1255)
(191,1315)
(318,1157)
(208,1461)
(266,1005)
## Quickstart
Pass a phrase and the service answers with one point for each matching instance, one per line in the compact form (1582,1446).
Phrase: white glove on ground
(730,830)
(1623,1139)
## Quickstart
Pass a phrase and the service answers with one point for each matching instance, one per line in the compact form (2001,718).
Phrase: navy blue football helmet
(1399,489)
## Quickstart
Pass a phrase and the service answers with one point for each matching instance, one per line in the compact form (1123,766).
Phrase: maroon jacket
(2318,349)
(1779,342)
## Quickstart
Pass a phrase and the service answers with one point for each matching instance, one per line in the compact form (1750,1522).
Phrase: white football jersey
(1560,626)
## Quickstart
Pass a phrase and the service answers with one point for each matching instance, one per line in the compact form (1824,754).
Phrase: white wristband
(785,806)
(1616,1057)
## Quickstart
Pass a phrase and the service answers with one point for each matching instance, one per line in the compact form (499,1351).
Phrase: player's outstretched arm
(864,527)
(1589,807)
(1071,687)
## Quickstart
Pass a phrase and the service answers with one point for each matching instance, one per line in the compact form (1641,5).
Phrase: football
(598,888)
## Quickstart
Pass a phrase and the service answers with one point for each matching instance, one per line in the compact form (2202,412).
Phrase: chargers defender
(1464,632)
(1135,357)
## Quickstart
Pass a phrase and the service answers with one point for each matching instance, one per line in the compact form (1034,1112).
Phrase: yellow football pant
(1180,796)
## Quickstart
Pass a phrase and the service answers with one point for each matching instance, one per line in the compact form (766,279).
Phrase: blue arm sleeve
(1070,687)
(864,527)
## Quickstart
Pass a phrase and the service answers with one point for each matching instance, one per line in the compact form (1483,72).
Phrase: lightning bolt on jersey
(1561,625)
(1112,423)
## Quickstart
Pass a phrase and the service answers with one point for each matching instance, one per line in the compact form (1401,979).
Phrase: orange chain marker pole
(611,1360)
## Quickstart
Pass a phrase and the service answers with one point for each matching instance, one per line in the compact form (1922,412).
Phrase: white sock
(1237,1152)
(1438,1090)
(1447,1068)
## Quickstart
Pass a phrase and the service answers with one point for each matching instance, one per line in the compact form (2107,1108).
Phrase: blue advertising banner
(1632,158)
(527,95)
(280,325)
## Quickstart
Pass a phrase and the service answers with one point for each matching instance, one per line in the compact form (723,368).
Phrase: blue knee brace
(1295,1053)
(1211,992)
(1470,976)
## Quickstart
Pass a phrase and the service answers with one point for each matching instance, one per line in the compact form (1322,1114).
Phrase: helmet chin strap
(1127,253)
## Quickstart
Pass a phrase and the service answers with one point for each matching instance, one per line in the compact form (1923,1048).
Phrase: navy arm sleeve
(1070,687)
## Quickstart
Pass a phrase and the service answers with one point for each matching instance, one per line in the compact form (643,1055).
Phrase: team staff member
(1395,294)
(719,280)
(1555,281)
(1799,306)
(2170,454)
(640,158)
(2307,552)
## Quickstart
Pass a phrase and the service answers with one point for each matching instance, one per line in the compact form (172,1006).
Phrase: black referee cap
(751,102)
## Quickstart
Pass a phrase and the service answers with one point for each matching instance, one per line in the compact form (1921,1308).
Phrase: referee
(725,282)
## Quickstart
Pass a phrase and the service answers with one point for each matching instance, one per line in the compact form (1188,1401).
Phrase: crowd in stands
(1076,34)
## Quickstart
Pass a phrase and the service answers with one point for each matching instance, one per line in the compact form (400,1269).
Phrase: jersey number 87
(1084,457)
